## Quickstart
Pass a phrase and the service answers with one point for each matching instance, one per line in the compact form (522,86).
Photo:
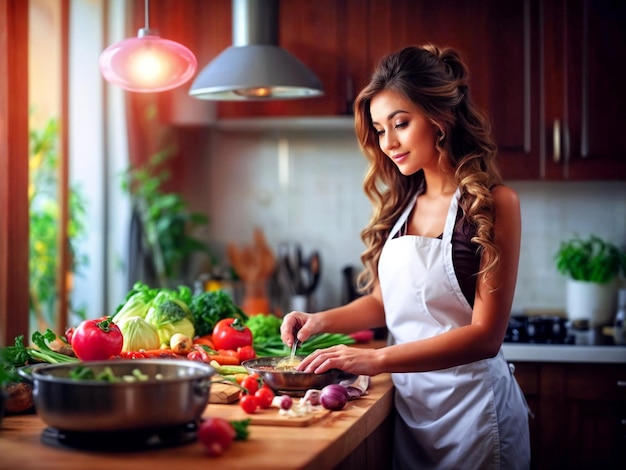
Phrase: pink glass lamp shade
(147,63)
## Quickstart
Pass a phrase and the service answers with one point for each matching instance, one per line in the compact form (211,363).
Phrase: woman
(440,267)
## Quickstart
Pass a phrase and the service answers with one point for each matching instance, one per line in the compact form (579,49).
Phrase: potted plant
(167,222)
(593,267)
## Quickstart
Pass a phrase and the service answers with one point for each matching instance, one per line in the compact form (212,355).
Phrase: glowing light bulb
(147,64)
(259,92)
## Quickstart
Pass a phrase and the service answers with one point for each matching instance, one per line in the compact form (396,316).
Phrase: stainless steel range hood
(255,68)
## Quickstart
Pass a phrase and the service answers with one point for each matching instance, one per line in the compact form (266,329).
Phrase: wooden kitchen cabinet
(583,89)
(537,67)
(579,414)
(544,71)
(496,39)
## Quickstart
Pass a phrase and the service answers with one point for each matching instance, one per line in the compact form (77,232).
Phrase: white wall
(306,187)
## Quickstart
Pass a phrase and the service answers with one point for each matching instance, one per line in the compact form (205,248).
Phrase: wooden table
(359,436)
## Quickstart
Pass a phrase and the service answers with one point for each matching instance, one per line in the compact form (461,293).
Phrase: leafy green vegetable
(137,303)
(210,307)
(82,372)
(168,311)
(267,342)
(170,314)
(8,374)
(167,330)
(274,346)
(139,334)
(264,327)
(20,355)
(592,260)
(241,429)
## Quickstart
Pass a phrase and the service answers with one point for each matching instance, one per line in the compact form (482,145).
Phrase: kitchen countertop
(533,352)
(321,445)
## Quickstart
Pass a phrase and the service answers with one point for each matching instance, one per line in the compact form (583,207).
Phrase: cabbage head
(138,334)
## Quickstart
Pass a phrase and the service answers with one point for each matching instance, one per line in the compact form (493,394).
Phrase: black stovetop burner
(121,441)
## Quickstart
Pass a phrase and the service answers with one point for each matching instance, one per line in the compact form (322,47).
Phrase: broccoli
(168,311)
(170,315)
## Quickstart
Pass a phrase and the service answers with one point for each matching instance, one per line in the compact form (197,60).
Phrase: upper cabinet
(584,124)
(500,47)
(546,72)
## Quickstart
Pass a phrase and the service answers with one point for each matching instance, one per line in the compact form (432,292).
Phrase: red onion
(334,397)
(286,402)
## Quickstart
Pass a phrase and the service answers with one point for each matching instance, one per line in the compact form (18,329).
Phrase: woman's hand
(356,361)
(304,325)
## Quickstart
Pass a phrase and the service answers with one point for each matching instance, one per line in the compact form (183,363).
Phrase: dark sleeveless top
(465,256)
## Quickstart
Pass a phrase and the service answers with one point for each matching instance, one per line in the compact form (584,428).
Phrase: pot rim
(201,371)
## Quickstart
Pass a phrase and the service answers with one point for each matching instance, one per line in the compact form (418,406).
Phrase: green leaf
(591,259)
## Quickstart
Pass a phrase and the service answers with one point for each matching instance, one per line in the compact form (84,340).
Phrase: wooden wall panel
(13,170)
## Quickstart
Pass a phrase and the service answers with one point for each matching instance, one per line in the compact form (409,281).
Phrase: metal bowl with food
(150,393)
(288,380)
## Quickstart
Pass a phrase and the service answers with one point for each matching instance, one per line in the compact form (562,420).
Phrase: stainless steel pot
(176,392)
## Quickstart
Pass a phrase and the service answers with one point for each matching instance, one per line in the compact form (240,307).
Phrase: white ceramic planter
(591,301)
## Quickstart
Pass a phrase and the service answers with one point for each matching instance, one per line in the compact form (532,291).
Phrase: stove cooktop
(121,441)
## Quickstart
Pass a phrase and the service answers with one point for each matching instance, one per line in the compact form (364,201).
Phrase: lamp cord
(147,14)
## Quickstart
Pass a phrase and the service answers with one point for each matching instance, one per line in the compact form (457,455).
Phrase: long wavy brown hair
(436,81)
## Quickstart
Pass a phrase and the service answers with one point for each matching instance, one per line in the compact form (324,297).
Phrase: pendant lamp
(147,63)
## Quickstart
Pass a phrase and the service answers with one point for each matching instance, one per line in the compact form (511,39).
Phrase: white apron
(472,416)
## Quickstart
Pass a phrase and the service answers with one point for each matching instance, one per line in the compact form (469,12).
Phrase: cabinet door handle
(527,86)
(556,141)
(584,136)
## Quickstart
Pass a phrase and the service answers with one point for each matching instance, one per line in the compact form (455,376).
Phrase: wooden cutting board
(223,393)
(269,417)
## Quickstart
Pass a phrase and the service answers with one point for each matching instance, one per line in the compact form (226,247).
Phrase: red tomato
(216,434)
(231,333)
(248,403)
(251,383)
(264,397)
(98,339)
(246,352)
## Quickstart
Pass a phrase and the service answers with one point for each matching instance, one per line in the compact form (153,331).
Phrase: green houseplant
(167,222)
(591,260)
(44,213)
(593,267)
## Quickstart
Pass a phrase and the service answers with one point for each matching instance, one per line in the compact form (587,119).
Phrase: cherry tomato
(231,333)
(131,355)
(246,352)
(217,435)
(97,339)
(248,403)
(251,383)
(264,397)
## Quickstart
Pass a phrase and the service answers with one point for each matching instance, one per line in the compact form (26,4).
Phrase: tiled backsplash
(305,186)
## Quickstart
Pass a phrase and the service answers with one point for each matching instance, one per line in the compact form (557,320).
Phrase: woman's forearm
(360,314)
